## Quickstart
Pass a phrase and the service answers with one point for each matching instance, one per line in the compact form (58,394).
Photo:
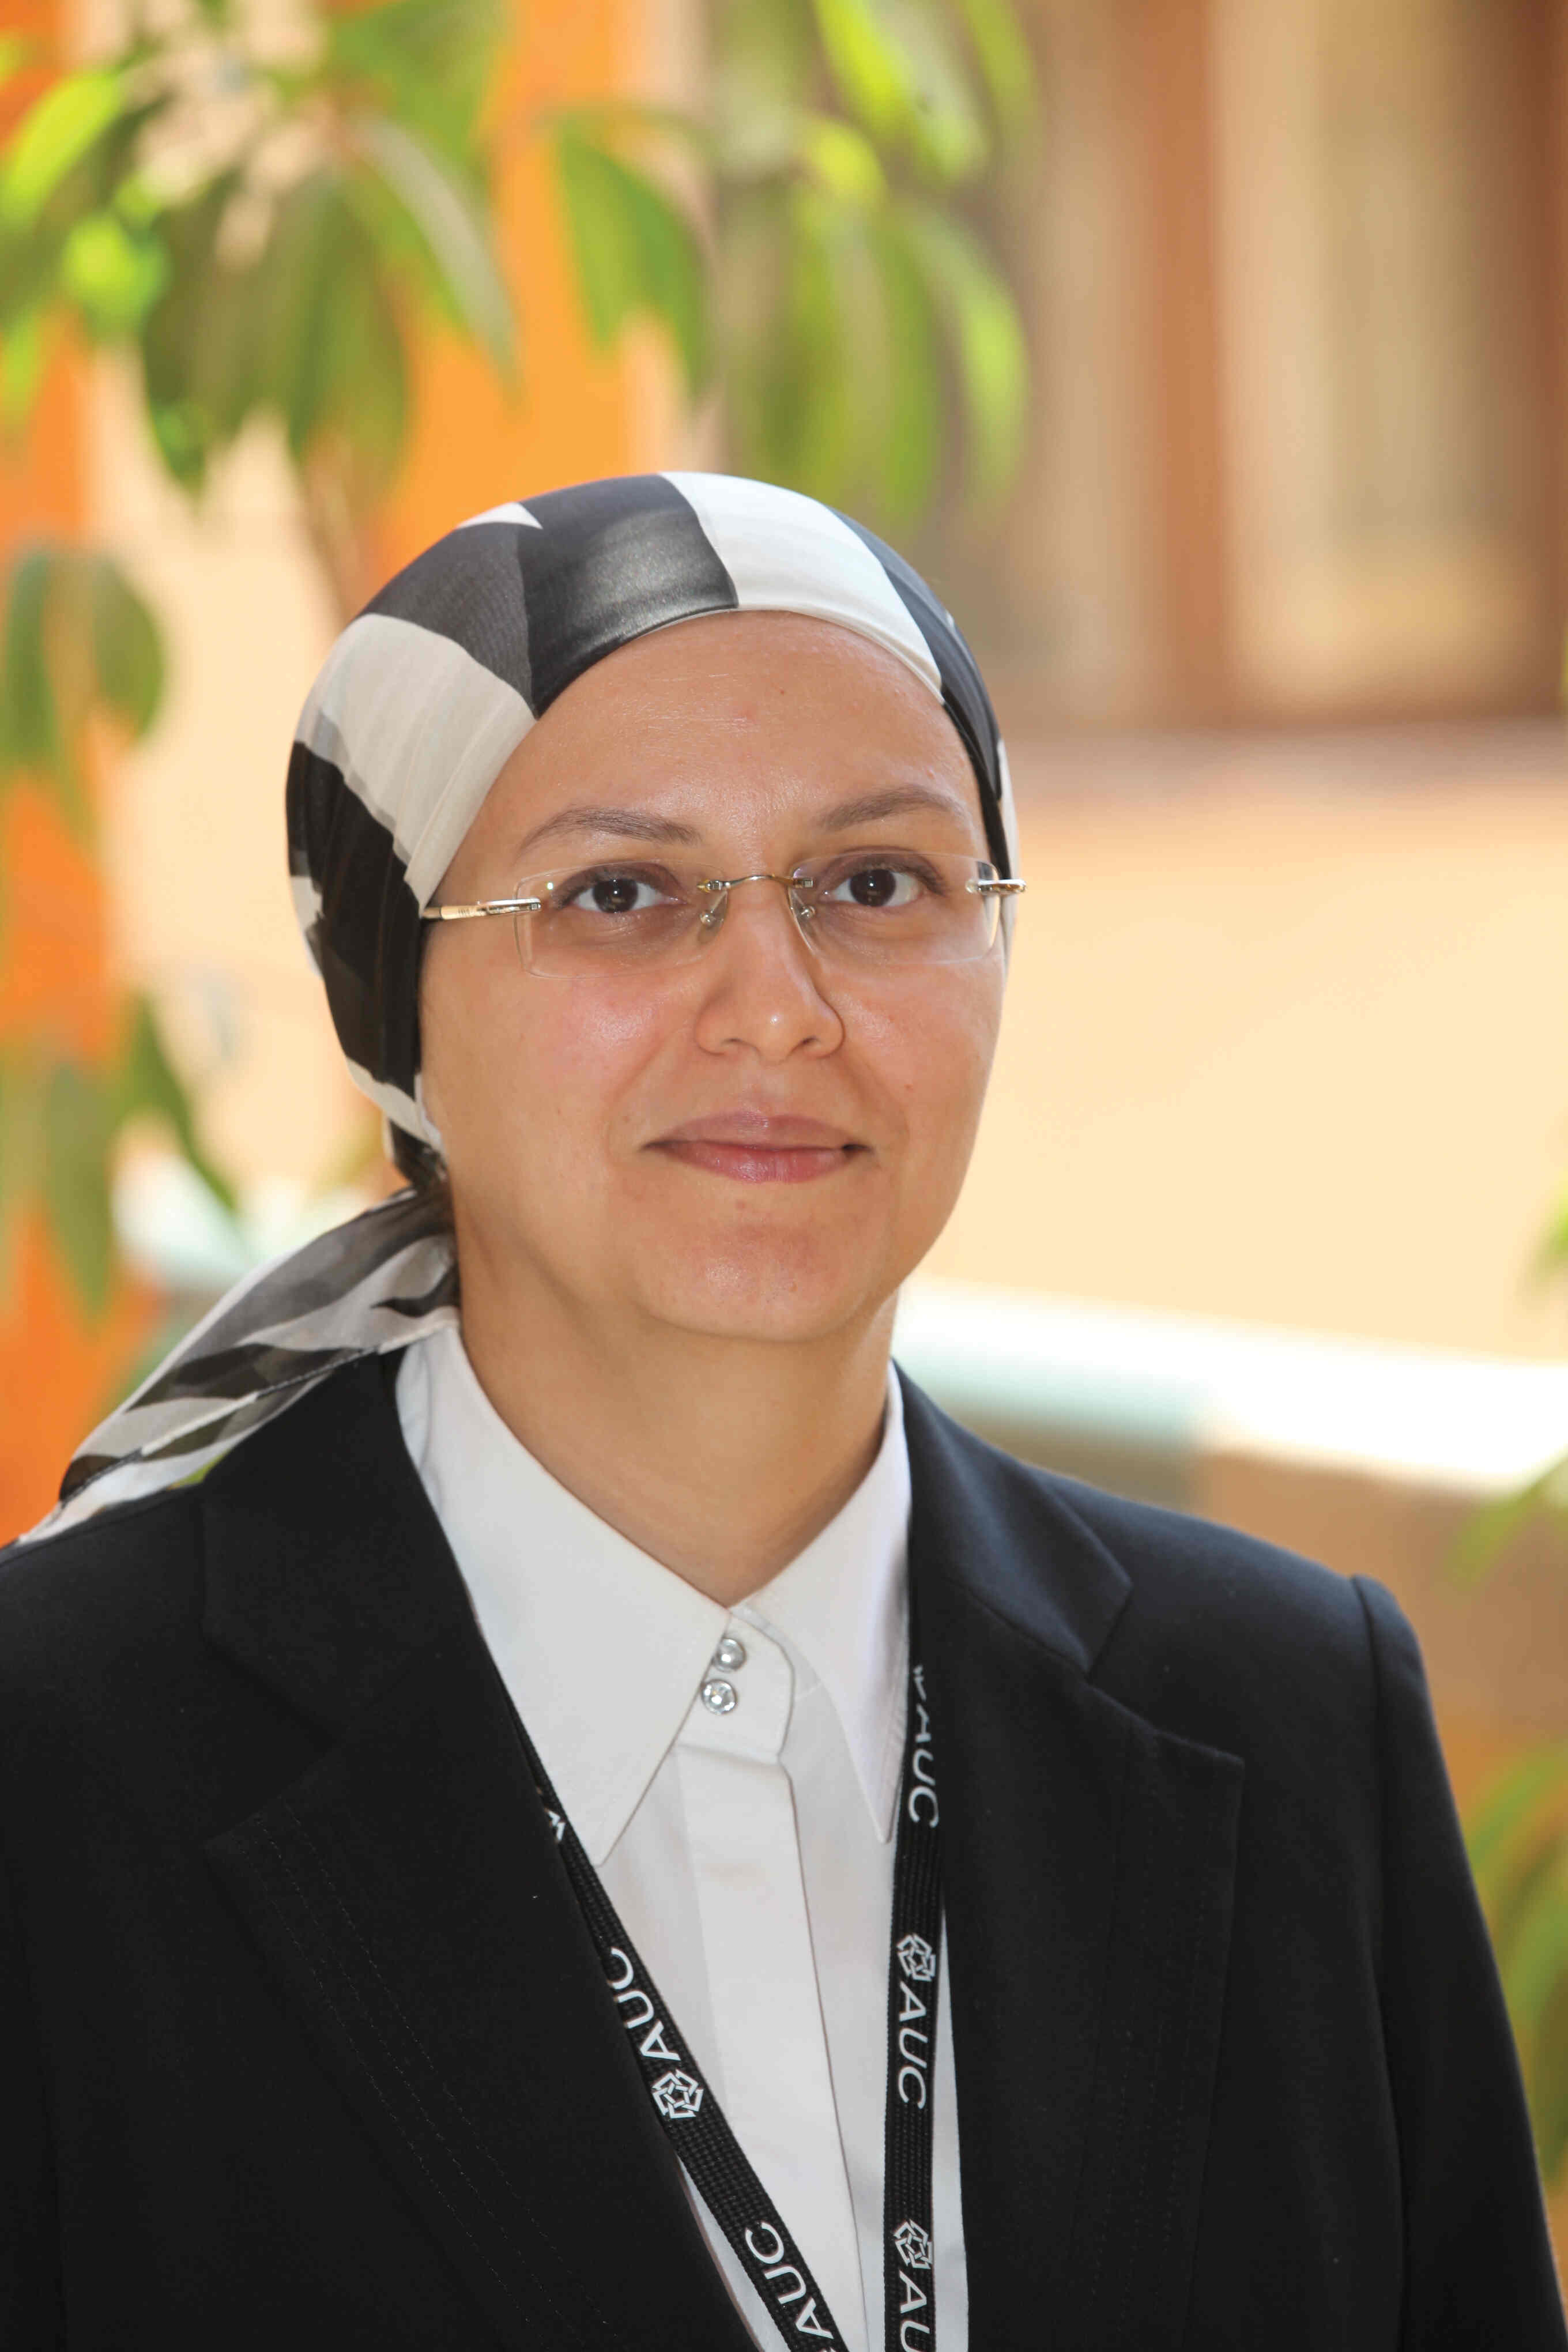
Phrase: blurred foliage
(75,637)
(265,213)
(853,322)
(1517,1833)
(1518,1838)
(862,316)
(77,646)
(1489,1531)
(849,313)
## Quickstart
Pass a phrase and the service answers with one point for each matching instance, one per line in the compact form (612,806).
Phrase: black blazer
(302,2040)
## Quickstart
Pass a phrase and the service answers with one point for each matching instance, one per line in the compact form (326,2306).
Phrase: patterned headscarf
(417,707)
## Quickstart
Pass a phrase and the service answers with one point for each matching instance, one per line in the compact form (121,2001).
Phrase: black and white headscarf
(419,705)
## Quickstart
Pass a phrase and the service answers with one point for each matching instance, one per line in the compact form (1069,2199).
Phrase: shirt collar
(602,1648)
(842,1605)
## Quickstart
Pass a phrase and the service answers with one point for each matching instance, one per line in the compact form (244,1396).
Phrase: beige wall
(197,870)
(1286,1038)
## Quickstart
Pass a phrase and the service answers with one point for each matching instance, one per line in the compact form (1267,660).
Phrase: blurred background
(1209,357)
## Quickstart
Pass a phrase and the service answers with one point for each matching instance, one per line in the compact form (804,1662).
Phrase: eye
(875,886)
(615,891)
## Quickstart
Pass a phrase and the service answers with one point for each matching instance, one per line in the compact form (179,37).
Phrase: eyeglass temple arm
(1001,887)
(483,906)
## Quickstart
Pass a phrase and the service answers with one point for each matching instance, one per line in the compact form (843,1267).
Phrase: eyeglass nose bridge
(719,887)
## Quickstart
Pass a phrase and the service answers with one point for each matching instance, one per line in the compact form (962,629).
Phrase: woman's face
(759,1143)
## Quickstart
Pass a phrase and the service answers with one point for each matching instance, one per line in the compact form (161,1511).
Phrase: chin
(766,1294)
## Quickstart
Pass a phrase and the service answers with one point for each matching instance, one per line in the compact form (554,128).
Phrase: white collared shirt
(749,1853)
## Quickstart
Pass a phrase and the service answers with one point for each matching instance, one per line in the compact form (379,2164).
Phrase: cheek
(505,1051)
(929,1054)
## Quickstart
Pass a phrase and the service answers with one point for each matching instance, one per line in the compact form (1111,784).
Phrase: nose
(762,987)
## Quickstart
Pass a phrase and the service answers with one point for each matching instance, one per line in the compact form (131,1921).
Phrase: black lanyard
(694,2122)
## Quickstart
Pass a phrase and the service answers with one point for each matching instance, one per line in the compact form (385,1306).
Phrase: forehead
(730,704)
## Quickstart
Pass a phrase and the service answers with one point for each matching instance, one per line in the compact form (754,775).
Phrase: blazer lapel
(406,1895)
(1088,1858)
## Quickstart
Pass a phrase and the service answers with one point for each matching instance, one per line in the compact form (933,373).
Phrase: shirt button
(730,1653)
(719,1697)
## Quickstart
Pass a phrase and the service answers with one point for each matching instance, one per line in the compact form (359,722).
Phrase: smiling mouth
(762,1151)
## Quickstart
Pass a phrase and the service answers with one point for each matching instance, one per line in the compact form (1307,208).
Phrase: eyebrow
(641,825)
(626,824)
(897,799)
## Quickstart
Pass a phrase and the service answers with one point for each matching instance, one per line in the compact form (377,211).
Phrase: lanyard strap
(695,2124)
(909,2291)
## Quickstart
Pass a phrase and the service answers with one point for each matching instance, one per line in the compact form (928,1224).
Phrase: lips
(760,1148)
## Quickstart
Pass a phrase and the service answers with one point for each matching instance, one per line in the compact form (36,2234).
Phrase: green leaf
(898,66)
(317,251)
(1006,64)
(21,1152)
(765,60)
(832,374)
(842,160)
(1517,1840)
(870,67)
(181,436)
(146,1084)
(428,62)
(54,134)
(947,132)
(1489,1531)
(987,336)
(199,339)
(1538,1963)
(127,649)
(24,356)
(76,637)
(78,1133)
(911,430)
(1549,2084)
(809,407)
(32,250)
(772,45)
(635,252)
(316,246)
(113,273)
(1509,1805)
(454,231)
(31,731)
(331,357)
(1553,1255)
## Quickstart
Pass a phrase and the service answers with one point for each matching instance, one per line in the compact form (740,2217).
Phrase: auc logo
(918,1961)
(677,2094)
(912,2245)
(921,1804)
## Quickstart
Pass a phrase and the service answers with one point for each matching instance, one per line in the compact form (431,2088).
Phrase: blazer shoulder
(82,1594)
(89,1588)
(1239,1644)
(1209,1631)
(1201,1574)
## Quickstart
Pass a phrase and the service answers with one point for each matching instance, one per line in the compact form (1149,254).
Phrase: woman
(602,1817)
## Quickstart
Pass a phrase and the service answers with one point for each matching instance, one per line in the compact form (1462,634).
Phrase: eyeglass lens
(871,905)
